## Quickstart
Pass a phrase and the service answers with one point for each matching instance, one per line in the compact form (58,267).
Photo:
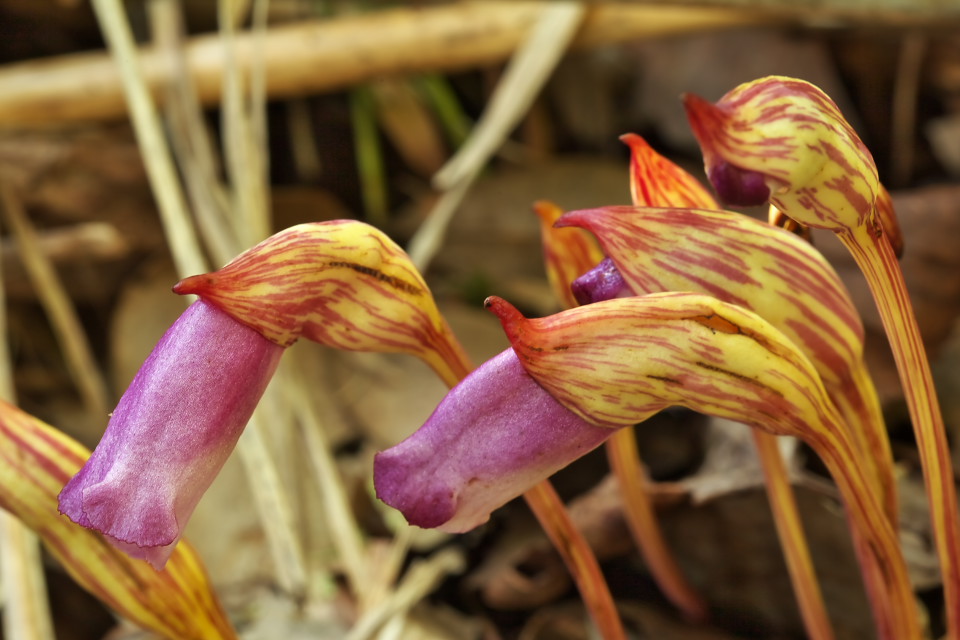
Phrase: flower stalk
(568,253)
(618,362)
(877,261)
(790,137)
(625,462)
(553,516)
(347,285)
(656,181)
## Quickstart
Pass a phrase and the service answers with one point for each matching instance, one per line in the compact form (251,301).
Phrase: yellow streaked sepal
(791,133)
(342,283)
(656,181)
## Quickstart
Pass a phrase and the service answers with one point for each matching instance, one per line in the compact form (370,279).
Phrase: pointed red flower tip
(708,121)
(341,283)
(734,185)
(510,317)
(656,181)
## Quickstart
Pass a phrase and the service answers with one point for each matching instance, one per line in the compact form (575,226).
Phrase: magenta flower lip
(494,436)
(171,432)
(603,282)
(739,187)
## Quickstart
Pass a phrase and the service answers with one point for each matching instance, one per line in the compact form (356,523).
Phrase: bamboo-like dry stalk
(23,592)
(227,236)
(527,72)
(189,259)
(67,327)
(421,579)
(344,529)
(26,608)
(324,55)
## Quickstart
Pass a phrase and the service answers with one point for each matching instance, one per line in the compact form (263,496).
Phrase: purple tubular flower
(493,436)
(603,282)
(171,433)
(739,187)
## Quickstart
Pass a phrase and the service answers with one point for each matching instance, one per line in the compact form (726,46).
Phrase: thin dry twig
(66,325)
(23,589)
(419,581)
(344,529)
(272,503)
(529,69)
(25,605)
(149,133)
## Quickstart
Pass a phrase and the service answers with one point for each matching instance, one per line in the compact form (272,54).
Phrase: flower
(821,175)
(618,362)
(785,140)
(495,435)
(762,268)
(342,283)
(695,247)
(35,461)
(172,432)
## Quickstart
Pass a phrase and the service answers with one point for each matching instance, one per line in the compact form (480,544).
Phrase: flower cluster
(683,304)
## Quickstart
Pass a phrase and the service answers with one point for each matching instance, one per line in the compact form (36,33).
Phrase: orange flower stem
(786,516)
(624,458)
(882,564)
(876,259)
(860,407)
(579,558)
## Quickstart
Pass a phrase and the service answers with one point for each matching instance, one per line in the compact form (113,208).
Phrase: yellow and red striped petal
(740,260)
(788,137)
(768,270)
(617,362)
(36,460)
(342,283)
(567,253)
(656,181)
